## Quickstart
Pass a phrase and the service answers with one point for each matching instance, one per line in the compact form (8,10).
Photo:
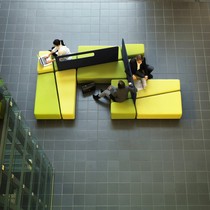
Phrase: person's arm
(139,74)
(53,51)
(132,88)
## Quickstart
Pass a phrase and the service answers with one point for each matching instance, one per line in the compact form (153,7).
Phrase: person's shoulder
(132,60)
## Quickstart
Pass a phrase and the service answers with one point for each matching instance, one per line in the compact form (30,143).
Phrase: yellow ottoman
(163,106)
(46,100)
(66,84)
(123,110)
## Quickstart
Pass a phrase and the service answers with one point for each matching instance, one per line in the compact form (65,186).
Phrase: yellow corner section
(159,86)
(84,48)
(164,106)
(66,83)
(46,100)
(123,110)
(101,73)
(43,69)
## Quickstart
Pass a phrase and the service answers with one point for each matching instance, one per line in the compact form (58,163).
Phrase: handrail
(21,157)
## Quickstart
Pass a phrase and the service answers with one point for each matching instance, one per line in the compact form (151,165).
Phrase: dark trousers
(147,71)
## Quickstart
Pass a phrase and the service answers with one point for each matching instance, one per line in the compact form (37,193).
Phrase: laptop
(43,61)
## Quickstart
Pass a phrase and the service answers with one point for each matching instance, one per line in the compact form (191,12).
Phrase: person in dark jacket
(139,67)
(118,94)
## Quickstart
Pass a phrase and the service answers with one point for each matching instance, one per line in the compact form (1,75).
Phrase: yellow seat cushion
(163,106)
(66,83)
(123,110)
(46,99)
(43,69)
(84,48)
(159,86)
(102,73)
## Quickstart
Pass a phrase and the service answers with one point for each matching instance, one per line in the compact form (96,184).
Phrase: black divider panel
(93,57)
(127,68)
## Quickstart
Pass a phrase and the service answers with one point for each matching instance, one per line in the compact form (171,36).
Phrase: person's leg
(144,82)
(138,74)
(150,76)
(105,93)
(112,97)
(150,69)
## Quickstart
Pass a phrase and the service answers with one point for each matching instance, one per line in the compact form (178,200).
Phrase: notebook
(43,60)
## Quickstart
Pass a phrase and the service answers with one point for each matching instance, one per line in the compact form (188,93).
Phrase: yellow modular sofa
(55,93)
(56,90)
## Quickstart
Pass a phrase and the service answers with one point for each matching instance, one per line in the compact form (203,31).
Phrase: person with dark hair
(58,50)
(141,70)
(118,94)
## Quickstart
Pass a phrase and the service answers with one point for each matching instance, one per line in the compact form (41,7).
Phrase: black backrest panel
(89,58)
(127,68)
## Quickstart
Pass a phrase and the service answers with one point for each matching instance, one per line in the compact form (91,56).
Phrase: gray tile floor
(118,165)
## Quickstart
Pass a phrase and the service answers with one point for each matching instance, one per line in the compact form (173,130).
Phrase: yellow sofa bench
(160,100)
(102,73)
(122,110)
(66,84)
(46,99)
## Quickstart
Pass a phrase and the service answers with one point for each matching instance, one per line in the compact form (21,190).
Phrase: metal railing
(26,175)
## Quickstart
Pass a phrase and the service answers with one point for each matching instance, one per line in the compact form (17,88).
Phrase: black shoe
(96,97)
(150,76)
(101,90)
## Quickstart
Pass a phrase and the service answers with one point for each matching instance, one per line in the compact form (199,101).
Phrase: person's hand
(134,77)
(50,60)
(146,77)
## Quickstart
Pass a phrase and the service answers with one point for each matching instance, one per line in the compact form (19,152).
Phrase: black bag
(88,87)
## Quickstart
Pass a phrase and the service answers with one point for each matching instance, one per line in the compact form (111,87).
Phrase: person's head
(57,42)
(139,59)
(121,84)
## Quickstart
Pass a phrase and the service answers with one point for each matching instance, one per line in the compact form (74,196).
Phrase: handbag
(87,88)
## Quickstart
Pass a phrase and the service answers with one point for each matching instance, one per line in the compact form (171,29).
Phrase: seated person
(58,50)
(118,94)
(140,69)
